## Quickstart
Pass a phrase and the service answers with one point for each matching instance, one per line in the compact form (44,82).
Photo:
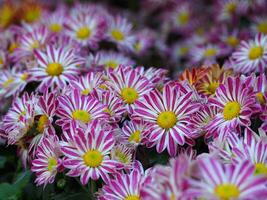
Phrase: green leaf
(2,161)
(7,191)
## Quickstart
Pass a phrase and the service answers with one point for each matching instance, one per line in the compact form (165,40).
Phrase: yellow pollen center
(12,47)
(232,41)
(52,163)
(212,87)
(184,50)
(85,92)
(132,197)
(226,191)
(137,46)
(231,7)
(81,115)
(210,52)
(123,158)
(8,82)
(117,35)
(135,137)
(42,122)
(262,27)
(24,76)
(129,95)
(93,158)
(7,13)
(55,27)
(35,44)
(231,110)
(166,119)
(183,18)
(83,33)
(261,169)
(255,52)
(32,14)
(112,64)
(260,97)
(54,69)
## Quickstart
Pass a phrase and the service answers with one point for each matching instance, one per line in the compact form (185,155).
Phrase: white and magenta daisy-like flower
(80,108)
(111,59)
(222,181)
(133,132)
(86,28)
(235,100)
(143,41)
(55,21)
(123,155)
(119,32)
(123,187)
(29,41)
(259,25)
(167,114)
(57,66)
(88,154)
(251,56)
(129,85)
(47,162)
(88,83)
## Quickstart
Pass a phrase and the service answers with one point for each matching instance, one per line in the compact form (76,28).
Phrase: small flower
(57,66)
(122,154)
(88,154)
(251,56)
(47,162)
(80,108)
(167,115)
(221,181)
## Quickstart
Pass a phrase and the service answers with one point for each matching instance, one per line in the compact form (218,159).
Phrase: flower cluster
(77,101)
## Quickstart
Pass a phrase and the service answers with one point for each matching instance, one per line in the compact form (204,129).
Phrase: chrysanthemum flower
(110,59)
(122,154)
(143,41)
(193,75)
(220,181)
(47,162)
(260,25)
(133,132)
(87,155)
(119,32)
(235,100)
(28,42)
(167,113)
(55,21)
(86,28)
(7,78)
(114,105)
(20,117)
(129,85)
(123,186)
(251,56)
(87,83)
(80,108)
(57,66)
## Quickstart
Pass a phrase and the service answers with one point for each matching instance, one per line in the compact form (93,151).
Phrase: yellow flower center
(261,169)
(35,44)
(226,191)
(132,197)
(184,50)
(129,95)
(42,122)
(260,97)
(12,47)
(212,87)
(231,7)
(83,33)
(166,119)
(262,27)
(135,137)
(8,82)
(55,27)
(231,110)
(210,52)
(112,64)
(81,115)
(183,18)
(117,35)
(6,16)
(123,158)
(52,163)
(255,52)
(24,76)
(85,92)
(137,46)
(93,158)
(232,41)
(54,69)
